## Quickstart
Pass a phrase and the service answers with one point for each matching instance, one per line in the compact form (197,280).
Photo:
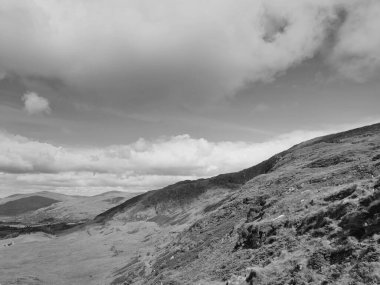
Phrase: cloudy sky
(135,94)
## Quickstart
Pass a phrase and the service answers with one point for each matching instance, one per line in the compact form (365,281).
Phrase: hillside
(182,194)
(309,215)
(312,216)
(313,219)
(54,207)
(24,205)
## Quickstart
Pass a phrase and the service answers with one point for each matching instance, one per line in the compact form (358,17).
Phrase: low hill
(24,205)
(26,209)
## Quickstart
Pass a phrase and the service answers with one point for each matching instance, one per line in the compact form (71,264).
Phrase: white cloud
(173,156)
(356,54)
(29,165)
(180,47)
(35,104)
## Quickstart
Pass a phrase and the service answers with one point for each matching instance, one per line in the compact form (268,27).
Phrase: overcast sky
(133,95)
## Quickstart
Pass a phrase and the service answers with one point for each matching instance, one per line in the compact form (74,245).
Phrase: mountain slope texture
(308,215)
(311,215)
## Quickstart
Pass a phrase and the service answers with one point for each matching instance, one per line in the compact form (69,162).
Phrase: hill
(23,205)
(312,219)
(309,215)
(305,216)
(54,207)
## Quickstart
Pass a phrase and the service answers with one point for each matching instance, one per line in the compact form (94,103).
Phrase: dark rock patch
(254,236)
(330,161)
(340,195)
(324,217)
(376,157)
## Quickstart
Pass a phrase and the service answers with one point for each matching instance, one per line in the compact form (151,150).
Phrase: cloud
(174,156)
(27,165)
(179,48)
(84,183)
(356,54)
(30,165)
(35,104)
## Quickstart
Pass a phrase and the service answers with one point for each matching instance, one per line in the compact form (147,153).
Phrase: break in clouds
(183,48)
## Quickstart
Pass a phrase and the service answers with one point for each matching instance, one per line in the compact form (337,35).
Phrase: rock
(376,157)
(255,213)
(354,223)
(330,161)
(340,195)
(255,235)
(251,277)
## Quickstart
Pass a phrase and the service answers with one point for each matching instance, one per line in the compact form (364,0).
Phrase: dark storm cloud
(186,49)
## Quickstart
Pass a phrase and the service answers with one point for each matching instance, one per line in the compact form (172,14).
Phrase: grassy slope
(294,219)
(313,219)
(185,192)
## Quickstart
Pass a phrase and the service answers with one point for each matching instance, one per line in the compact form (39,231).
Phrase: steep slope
(312,217)
(182,194)
(308,215)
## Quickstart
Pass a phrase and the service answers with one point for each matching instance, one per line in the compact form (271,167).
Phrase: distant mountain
(46,194)
(54,207)
(24,205)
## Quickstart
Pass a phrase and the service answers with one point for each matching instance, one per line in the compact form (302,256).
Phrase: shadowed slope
(23,205)
(184,192)
(300,205)
(313,219)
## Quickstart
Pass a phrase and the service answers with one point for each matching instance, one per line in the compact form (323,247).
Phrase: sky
(133,95)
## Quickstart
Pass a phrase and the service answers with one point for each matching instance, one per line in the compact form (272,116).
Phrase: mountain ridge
(310,190)
(308,215)
(231,180)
